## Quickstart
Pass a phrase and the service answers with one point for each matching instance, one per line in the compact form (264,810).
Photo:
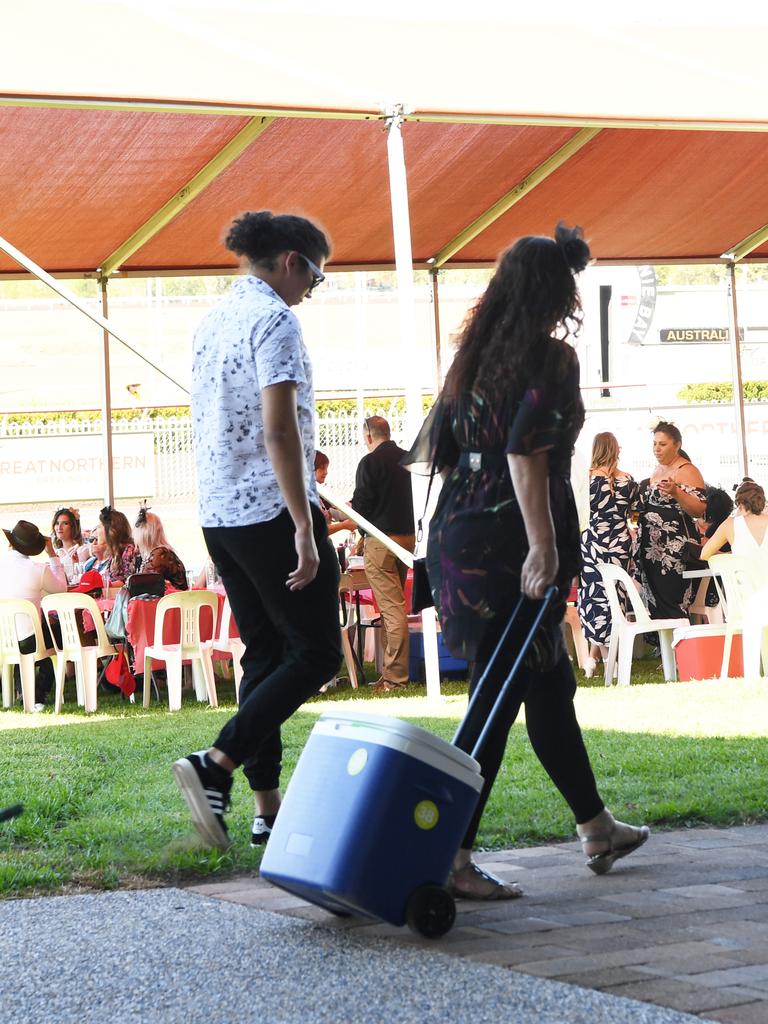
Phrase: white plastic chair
(10,655)
(230,645)
(740,583)
(623,631)
(754,638)
(85,659)
(189,603)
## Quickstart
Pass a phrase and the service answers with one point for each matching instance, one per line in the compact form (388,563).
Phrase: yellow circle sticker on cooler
(357,761)
(426,814)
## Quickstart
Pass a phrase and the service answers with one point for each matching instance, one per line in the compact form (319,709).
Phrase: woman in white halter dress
(747,531)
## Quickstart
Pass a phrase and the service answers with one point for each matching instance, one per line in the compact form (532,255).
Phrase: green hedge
(754,391)
(88,415)
(324,406)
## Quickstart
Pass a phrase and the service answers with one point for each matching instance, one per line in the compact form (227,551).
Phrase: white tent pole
(738,384)
(70,297)
(106,404)
(401,229)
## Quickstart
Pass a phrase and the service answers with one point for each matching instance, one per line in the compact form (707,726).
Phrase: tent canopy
(131,133)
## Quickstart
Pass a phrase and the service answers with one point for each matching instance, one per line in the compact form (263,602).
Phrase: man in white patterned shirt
(253,424)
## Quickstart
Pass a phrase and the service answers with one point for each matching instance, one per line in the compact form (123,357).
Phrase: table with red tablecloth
(354,583)
(140,629)
(355,592)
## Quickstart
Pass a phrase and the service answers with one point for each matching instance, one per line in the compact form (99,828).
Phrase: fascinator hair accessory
(142,516)
(105,516)
(74,512)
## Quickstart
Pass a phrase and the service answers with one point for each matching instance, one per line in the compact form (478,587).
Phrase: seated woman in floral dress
(114,532)
(613,497)
(157,555)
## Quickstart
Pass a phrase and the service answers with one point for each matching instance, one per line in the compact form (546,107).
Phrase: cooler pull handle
(463,733)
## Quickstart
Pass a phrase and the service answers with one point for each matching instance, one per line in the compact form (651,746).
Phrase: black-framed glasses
(317,275)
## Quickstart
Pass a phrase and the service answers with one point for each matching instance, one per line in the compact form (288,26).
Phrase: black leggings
(292,637)
(552,727)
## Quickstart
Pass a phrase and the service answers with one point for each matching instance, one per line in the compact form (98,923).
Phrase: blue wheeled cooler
(372,818)
(377,808)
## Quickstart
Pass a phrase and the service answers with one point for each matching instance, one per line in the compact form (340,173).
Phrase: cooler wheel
(430,911)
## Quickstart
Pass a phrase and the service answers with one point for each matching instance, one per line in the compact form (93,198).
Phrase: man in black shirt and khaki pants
(383,495)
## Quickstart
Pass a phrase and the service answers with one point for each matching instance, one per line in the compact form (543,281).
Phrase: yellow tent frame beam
(507,201)
(348,114)
(219,163)
(748,245)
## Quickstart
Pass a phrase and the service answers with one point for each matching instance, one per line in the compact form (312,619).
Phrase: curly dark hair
(718,507)
(533,291)
(263,235)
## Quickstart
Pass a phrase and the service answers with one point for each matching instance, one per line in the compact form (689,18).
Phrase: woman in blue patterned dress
(613,497)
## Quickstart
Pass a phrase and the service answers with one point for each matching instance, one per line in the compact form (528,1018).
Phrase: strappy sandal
(601,863)
(473,873)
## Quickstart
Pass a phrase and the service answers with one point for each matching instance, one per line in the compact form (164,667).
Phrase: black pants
(44,674)
(292,638)
(552,727)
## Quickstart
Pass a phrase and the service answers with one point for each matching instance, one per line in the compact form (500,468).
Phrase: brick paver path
(682,923)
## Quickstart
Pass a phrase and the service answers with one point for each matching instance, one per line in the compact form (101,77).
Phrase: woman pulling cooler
(501,434)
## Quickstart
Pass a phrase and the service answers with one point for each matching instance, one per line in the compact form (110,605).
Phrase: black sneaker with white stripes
(205,786)
(262,828)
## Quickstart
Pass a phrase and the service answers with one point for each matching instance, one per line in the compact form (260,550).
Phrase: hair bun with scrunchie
(573,247)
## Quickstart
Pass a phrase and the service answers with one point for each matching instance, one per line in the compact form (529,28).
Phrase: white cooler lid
(402,736)
(696,632)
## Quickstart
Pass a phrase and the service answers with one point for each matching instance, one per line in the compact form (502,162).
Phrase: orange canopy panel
(645,195)
(337,174)
(75,184)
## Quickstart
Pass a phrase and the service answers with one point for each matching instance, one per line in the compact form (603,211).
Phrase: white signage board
(64,469)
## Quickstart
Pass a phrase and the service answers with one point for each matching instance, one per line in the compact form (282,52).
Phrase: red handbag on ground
(118,672)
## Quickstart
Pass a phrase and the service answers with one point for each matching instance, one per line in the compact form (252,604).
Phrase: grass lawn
(101,809)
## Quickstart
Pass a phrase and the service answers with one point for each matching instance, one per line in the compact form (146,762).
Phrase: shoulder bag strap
(419,525)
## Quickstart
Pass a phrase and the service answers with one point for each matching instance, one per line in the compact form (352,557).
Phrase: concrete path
(680,926)
(683,924)
(168,956)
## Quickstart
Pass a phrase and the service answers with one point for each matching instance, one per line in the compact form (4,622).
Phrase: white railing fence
(338,434)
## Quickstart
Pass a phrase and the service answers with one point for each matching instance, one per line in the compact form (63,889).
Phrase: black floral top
(477,539)
(168,564)
(663,531)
